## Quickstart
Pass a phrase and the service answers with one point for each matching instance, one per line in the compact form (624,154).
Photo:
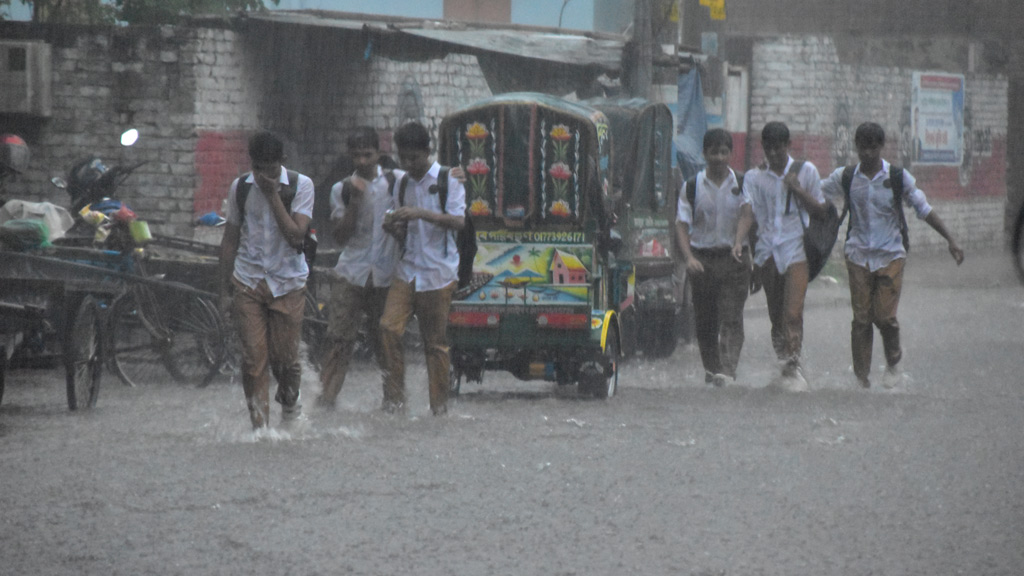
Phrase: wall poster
(937,118)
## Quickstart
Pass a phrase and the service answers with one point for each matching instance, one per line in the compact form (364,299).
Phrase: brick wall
(802,81)
(196,93)
(106,80)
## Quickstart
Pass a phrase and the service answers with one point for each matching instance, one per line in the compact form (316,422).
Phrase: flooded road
(669,477)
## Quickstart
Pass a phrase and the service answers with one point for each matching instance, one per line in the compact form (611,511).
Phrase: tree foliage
(73,12)
(170,11)
(133,11)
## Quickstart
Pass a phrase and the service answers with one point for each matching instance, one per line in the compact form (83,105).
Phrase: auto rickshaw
(547,290)
(644,193)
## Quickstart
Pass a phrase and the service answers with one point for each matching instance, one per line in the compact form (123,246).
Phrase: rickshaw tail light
(474,319)
(563,321)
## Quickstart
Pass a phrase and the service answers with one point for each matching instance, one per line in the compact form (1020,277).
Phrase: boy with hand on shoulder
(783,194)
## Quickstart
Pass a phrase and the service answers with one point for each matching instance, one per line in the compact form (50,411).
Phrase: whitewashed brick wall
(801,81)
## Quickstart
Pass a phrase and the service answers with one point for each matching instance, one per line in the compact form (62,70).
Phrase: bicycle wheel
(82,357)
(198,344)
(138,344)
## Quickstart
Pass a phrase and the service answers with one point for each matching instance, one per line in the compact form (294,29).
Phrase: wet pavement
(669,477)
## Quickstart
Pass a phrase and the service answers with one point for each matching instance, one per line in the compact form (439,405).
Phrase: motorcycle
(100,218)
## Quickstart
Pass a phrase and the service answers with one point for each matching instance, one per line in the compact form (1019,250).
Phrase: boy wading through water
(427,272)
(876,248)
(263,276)
(779,255)
(717,260)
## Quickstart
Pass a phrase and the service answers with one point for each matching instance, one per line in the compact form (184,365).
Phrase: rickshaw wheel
(82,357)
(594,382)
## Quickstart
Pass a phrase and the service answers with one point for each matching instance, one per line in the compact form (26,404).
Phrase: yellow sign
(706,2)
(717,9)
(673,13)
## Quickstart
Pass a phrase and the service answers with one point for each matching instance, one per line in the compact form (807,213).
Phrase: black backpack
(896,181)
(821,235)
(465,239)
(309,243)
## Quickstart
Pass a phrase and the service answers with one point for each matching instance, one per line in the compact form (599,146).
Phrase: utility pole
(641,69)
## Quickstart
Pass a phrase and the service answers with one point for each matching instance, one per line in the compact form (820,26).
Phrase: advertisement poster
(937,118)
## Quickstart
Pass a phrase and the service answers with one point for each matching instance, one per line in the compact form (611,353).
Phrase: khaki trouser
(348,305)
(719,294)
(874,297)
(785,294)
(270,329)
(431,309)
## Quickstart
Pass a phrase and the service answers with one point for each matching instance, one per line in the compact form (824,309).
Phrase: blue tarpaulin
(691,124)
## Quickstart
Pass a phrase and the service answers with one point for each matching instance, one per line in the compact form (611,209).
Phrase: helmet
(86,172)
(14,154)
(82,178)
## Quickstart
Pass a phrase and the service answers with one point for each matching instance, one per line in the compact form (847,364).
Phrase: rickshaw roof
(548,101)
(628,108)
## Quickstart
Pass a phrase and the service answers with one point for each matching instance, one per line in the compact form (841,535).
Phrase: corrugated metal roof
(552,45)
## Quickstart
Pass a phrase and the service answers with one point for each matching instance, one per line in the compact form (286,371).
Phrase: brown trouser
(269,329)
(431,309)
(785,294)
(719,294)
(874,297)
(348,305)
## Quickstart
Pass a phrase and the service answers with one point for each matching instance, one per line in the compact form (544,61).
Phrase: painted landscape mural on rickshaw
(530,268)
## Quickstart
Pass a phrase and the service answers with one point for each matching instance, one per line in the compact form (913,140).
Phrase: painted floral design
(477,167)
(561,174)
(477,134)
(479,207)
(560,137)
(560,208)
(477,170)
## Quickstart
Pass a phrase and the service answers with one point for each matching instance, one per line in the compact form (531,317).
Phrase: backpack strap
(691,192)
(845,183)
(442,196)
(389,175)
(797,166)
(896,181)
(442,188)
(346,190)
(293,186)
(241,195)
(401,189)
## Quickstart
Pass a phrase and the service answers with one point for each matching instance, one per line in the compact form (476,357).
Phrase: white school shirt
(780,235)
(430,259)
(263,251)
(370,252)
(875,239)
(717,211)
